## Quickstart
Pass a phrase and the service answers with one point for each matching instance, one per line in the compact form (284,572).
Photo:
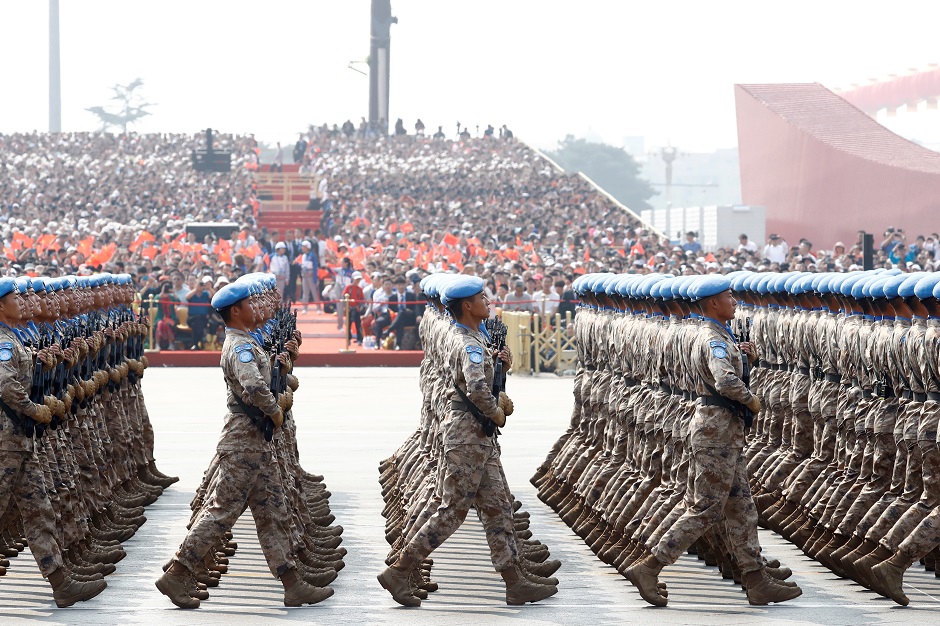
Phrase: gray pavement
(350,419)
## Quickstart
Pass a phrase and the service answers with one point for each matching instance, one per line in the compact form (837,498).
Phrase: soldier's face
(723,306)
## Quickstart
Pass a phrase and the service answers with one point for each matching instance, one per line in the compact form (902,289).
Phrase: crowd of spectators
(395,208)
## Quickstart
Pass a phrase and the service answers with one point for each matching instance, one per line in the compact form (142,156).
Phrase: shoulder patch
(5,354)
(6,344)
(242,347)
(719,352)
(475,357)
(474,348)
(246,356)
(717,344)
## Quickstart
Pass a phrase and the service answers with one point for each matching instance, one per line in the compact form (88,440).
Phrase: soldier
(21,477)
(470,466)
(247,471)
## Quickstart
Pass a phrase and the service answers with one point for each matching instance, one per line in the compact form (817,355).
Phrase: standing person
(247,474)
(199,300)
(519,299)
(720,490)
(278,164)
(280,267)
(776,249)
(357,302)
(691,245)
(309,274)
(294,252)
(342,279)
(472,471)
(21,475)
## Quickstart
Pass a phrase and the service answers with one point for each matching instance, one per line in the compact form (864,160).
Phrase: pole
(379,72)
(55,81)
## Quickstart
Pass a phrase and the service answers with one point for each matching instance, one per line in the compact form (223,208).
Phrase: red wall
(814,190)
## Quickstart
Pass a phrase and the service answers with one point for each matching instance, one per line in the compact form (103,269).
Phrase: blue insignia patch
(6,344)
(6,354)
(472,349)
(719,352)
(246,356)
(242,347)
(476,357)
(717,344)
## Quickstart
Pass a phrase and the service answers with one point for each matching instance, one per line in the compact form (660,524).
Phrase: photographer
(893,236)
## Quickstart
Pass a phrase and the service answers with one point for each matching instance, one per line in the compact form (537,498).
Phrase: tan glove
(114,374)
(500,418)
(286,400)
(505,403)
(755,404)
(277,418)
(77,392)
(145,362)
(55,405)
(41,414)
(292,382)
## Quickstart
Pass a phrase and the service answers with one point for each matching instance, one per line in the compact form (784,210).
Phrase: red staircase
(283,198)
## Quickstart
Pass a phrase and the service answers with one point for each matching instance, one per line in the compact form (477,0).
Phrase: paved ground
(349,420)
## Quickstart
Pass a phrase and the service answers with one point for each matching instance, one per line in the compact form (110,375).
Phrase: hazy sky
(664,70)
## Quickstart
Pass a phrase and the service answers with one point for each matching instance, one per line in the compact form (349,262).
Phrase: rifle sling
(489,427)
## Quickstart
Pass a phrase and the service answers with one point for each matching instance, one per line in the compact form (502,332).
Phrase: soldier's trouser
(929,498)
(473,476)
(721,492)
(885,451)
(21,480)
(243,479)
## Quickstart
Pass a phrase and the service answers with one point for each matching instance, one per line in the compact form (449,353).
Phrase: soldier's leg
(21,479)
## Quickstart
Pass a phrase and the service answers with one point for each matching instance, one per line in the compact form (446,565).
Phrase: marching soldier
(467,467)
(247,472)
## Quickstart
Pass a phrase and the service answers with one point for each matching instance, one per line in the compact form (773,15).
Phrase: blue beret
(622,286)
(739,280)
(709,286)
(835,283)
(230,294)
(461,287)
(38,284)
(779,284)
(656,289)
(893,284)
(635,286)
(610,284)
(22,284)
(876,288)
(849,282)
(599,282)
(684,290)
(751,281)
(7,286)
(906,290)
(857,289)
(432,284)
(763,285)
(925,285)
(791,280)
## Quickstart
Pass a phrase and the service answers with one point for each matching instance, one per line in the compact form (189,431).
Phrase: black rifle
(744,336)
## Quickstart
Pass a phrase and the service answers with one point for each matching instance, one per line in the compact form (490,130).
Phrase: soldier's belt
(834,378)
(719,401)
(906,394)
(919,396)
(796,369)
(933,395)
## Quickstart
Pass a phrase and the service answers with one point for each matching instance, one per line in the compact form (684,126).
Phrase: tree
(608,166)
(131,107)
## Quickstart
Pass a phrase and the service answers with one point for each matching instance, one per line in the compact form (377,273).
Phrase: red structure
(909,90)
(824,169)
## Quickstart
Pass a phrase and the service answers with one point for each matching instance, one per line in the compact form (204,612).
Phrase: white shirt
(778,253)
(551,301)
(750,246)
(280,265)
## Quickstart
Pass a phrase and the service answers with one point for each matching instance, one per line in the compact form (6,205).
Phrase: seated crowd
(394,209)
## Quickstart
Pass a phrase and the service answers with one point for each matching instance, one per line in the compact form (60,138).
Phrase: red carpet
(322,343)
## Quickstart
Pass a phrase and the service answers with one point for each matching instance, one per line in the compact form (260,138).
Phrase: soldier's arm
(478,390)
(14,394)
(727,382)
(255,390)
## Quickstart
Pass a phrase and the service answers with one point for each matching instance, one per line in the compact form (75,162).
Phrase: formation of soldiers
(841,451)
(77,465)
(257,463)
(418,481)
